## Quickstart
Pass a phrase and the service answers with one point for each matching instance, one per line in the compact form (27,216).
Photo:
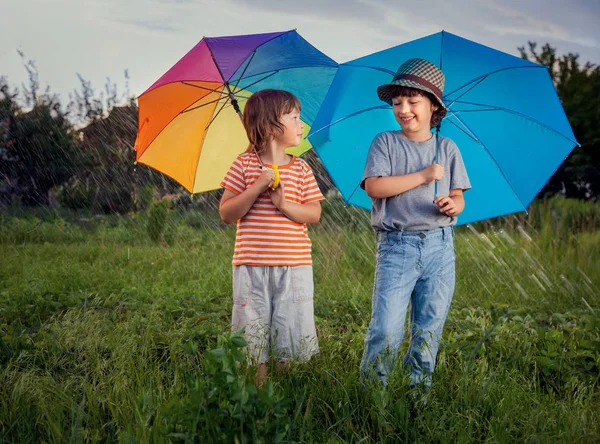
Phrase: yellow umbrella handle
(276,171)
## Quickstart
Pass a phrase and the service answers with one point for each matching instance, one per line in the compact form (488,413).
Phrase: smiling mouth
(406,119)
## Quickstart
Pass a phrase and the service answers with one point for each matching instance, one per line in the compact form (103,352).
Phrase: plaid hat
(418,74)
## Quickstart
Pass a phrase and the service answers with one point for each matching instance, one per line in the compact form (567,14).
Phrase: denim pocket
(302,283)
(242,280)
(386,247)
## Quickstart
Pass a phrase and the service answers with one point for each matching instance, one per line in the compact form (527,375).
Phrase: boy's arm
(388,186)
(235,206)
(453,204)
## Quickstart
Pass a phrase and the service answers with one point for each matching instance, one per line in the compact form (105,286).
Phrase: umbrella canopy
(189,124)
(503,113)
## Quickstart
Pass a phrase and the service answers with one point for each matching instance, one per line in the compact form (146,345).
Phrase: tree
(108,137)
(37,147)
(578,87)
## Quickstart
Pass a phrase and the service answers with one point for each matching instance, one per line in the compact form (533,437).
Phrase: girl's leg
(252,310)
(261,375)
(293,332)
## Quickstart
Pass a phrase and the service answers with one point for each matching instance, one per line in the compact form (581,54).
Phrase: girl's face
(413,114)
(292,131)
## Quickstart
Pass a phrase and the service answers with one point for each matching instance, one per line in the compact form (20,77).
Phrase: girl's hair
(437,116)
(262,116)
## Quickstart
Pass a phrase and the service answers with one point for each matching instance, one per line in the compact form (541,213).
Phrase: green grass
(107,335)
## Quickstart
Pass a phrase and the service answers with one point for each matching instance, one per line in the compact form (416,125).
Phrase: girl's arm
(308,213)
(235,206)
(388,186)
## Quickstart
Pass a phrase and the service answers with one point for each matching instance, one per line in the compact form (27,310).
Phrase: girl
(272,263)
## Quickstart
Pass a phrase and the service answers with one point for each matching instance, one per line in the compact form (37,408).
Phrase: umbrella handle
(437,143)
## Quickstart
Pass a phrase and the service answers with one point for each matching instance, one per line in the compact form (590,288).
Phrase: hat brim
(385,91)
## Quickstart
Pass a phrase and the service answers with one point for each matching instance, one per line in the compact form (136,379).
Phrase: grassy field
(107,335)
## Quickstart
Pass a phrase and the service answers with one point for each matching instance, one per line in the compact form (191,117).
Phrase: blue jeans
(415,267)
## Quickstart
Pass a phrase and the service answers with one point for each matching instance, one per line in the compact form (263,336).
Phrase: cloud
(102,38)
(151,26)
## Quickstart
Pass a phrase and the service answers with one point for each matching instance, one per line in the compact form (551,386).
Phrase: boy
(415,235)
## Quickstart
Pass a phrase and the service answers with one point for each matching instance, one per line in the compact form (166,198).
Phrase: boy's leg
(430,304)
(395,277)
(293,332)
(252,309)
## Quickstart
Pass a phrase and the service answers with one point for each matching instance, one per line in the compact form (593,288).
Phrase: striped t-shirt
(265,236)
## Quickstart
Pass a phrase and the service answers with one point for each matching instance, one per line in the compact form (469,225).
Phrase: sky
(100,39)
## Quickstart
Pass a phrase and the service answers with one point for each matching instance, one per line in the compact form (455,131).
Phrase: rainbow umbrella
(189,124)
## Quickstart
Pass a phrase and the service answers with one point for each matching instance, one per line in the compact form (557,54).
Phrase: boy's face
(292,132)
(413,114)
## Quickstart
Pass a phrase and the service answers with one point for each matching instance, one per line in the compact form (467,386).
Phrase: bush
(222,406)
(143,197)
(565,216)
(113,199)
(157,222)
(74,194)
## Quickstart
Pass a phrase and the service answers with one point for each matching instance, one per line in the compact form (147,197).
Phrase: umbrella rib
(467,133)
(203,87)
(258,81)
(217,113)
(475,110)
(495,162)
(525,116)
(376,68)
(244,71)
(352,193)
(485,76)
(350,115)
(241,96)
(475,83)
(285,69)
(200,106)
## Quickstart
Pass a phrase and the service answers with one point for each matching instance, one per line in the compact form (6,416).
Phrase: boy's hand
(278,196)
(265,180)
(446,205)
(433,172)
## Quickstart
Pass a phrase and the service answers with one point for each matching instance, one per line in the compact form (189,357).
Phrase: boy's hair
(405,91)
(262,116)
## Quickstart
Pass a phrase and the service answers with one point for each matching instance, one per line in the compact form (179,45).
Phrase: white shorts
(275,304)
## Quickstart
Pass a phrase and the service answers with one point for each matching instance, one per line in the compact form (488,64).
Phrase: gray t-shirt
(392,154)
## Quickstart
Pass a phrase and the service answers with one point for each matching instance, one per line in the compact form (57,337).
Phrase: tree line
(80,154)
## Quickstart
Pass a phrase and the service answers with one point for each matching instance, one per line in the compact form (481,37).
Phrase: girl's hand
(265,180)
(278,196)
(446,205)
(433,172)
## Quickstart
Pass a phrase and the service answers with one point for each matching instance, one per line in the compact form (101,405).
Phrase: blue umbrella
(503,113)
